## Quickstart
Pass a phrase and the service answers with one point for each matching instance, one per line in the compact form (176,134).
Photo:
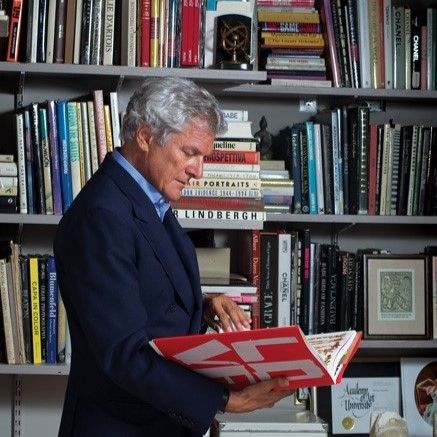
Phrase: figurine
(265,140)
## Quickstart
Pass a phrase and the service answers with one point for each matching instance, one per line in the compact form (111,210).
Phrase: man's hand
(230,316)
(260,395)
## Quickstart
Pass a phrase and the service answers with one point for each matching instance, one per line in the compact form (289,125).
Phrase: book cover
(51,311)
(35,309)
(239,359)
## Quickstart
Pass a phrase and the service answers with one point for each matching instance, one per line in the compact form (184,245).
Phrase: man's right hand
(259,395)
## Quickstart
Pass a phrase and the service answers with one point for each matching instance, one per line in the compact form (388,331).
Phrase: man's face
(169,167)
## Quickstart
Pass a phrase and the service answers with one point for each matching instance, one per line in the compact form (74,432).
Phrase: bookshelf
(23,83)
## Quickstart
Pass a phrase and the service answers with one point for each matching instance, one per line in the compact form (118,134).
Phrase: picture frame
(396,297)
(419,391)
(338,415)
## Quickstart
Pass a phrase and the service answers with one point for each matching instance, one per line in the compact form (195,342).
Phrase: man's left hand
(230,316)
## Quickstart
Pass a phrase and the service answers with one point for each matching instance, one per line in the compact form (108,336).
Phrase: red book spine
(185,26)
(195,40)
(232,157)
(373,151)
(220,203)
(254,277)
(15,31)
(145,33)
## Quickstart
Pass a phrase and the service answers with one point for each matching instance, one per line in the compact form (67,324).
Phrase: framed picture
(419,394)
(396,297)
(365,388)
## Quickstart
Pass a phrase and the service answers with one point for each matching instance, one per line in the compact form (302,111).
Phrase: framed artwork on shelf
(419,394)
(396,297)
(348,406)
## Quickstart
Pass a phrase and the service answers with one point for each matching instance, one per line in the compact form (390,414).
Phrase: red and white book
(242,358)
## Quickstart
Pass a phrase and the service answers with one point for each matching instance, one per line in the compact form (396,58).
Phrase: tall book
(35,309)
(15,31)
(51,311)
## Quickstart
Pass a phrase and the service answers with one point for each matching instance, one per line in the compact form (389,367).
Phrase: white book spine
(77,32)
(429,49)
(242,168)
(108,32)
(230,174)
(222,215)
(284,279)
(115,119)
(235,115)
(33,20)
(363,42)
(388,44)
(129,35)
(248,184)
(8,169)
(50,43)
(21,164)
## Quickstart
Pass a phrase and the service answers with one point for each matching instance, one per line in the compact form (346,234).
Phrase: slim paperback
(239,359)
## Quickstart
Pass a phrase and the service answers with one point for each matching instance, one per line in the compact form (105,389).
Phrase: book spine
(304,310)
(252,217)
(14,39)
(29,171)
(407,47)
(73,145)
(373,145)
(62,323)
(406,136)
(395,160)
(284,279)
(80,143)
(221,192)
(268,279)
(99,117)
(51,311)
(93,137)
(61,15)
(86,141)
(78,31)
(96,33)
(388,44)
(54,158)
(423,56)
(232,157)
(51,17)
(108,32)
(219,167)
(35,310)
(363,42)
(327,169)
(375,44)
(426,162)
(219,203)
(42,31)
(224,183)
(70,25)
(312,176)
(26,312)
(416,51)
(413,165)
(319,168)
(292,17)
(296,169)
(108,128)
(332,290)
(225,174)
(32,31)
(128,36)
(42,283)
(45,157)
(6,312)
(21,154)
(238,146)
(85,42)
(64,154)
(418,170)
(303,141)
(363,165)
(399,47)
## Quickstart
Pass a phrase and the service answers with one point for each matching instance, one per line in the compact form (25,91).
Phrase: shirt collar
(160,204)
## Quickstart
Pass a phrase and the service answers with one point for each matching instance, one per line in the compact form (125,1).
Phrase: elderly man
(128,273)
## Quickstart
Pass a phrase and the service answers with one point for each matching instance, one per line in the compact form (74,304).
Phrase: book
(235,284)
(239,359)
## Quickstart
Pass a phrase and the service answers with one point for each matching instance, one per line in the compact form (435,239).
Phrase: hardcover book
(239,359)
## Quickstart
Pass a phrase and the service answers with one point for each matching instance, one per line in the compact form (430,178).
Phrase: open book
(238,359)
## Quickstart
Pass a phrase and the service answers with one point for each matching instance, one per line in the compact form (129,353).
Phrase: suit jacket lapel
(153,230)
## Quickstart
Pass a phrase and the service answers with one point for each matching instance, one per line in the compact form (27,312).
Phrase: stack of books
(8,184)
(230,189)
(291,43)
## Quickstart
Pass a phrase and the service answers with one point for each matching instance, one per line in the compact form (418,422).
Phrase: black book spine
(416,50)
(345,152)
(426,158)
(353,160)
(305,190)
(431,177)
(379,166)
(304,321)
(332,289)
(268,279)
(86,37)
(296,169)
(37,161)
(42,31)
(327,168)
(25,304)
(342,43)
(59,45)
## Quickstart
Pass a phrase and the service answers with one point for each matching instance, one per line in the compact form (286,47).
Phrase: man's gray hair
(166,104)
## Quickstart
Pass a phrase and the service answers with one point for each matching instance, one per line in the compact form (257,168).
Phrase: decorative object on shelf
(265,139)
(396,297)
(419,394)
(388,424)
(233,42)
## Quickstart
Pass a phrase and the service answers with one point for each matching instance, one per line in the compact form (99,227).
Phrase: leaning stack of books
(291,43)
(230,189)
(8,184)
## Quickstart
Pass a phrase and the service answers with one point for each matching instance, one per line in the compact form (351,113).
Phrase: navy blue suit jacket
(125,278)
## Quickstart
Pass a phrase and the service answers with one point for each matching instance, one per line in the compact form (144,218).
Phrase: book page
(332,348)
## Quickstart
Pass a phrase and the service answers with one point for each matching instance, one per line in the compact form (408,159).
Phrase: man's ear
(143,137)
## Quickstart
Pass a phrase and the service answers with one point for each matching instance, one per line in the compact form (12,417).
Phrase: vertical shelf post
(16,407)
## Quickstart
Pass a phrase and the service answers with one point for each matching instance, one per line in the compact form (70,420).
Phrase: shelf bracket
(16,408)
(20,91)
(119,83)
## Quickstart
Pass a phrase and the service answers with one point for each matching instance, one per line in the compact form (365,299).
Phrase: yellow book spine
(108,128)
(292,37)
(36,328)
(154,33)
(289,17)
